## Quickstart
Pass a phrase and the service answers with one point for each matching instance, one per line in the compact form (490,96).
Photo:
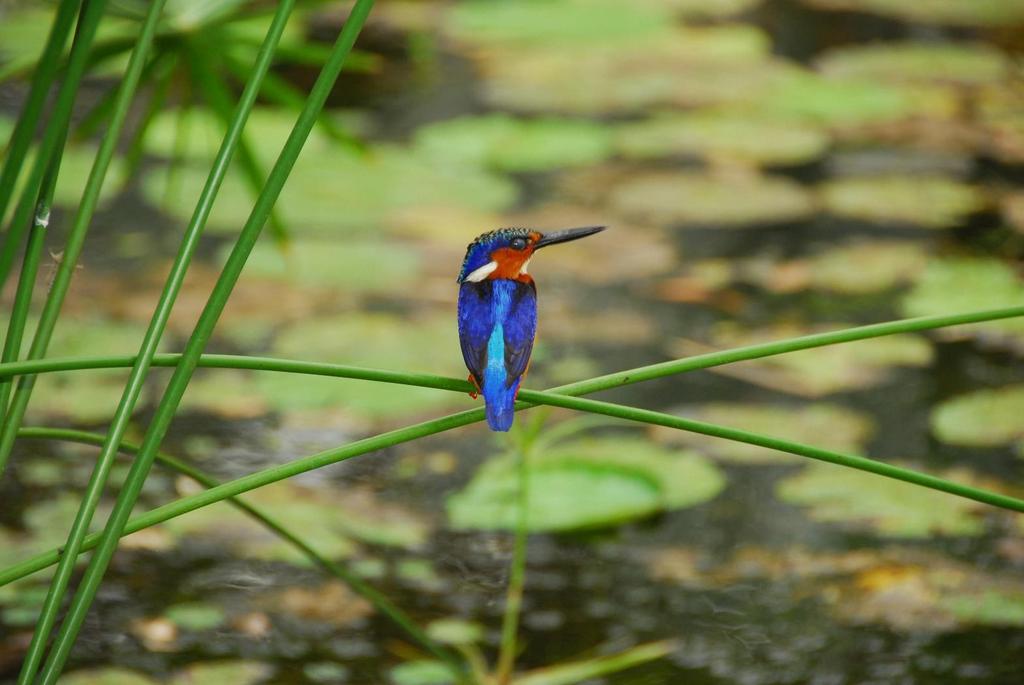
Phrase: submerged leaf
(966,63)
(423,672)
(824,425)
(354,266)
(964,284)
(681,66)
(106,675)
(889,507)
(380,183)
(529,23)
(818,371)
(724,134)
(507,144)
(588,484)
(928,201)
(690,198)
(195,615)
(372,340)
(986,418)
(236,672)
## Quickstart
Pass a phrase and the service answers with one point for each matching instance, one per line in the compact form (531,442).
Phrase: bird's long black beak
(567,235)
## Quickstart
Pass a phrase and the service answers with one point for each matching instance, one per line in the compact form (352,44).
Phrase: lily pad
(237,672)
(373,340)
(530,23)
(722,135)
(962,63)
(682,66)
(352,266)
(819,371)
(423,672)
(106,675)
(823,425)
(847,103)
(455,631)
(866,266)
(587,484)
(964,284)
(892,508)
(985,418)
(994,13)
(691,198)
(926,201)
(195,615)
(333,189)
(504,143)
(703,9)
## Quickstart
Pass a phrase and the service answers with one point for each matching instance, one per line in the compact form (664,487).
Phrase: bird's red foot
(476,393)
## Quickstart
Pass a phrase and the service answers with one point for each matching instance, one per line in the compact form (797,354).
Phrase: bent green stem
(446,423)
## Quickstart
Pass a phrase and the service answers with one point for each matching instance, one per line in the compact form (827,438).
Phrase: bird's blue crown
(479,251)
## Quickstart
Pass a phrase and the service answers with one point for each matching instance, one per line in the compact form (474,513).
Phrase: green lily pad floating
(351,266)
(106,675)
(504,143)
(195,615)
(926,201)
(847,103)
(685,66)
(536,23)
(334,189)
(692,198)
(858,268)
(994,13)
(866,267)
(237,672)
(819,371)
(703,9)
(455,631)
(823,425)
(373,340)
(962,63)
(985,418)
(587,484)
(423,672)
(726,134)
(892,508)
(964,284)
(1001,111)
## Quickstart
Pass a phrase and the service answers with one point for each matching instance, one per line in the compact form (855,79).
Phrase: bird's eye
(518,244)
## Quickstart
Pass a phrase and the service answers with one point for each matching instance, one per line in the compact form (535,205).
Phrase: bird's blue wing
(476,321)
(520,328)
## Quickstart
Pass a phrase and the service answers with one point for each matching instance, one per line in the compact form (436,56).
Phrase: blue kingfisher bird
(498,313)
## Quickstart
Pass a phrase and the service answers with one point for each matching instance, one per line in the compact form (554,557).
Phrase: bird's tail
(500,405)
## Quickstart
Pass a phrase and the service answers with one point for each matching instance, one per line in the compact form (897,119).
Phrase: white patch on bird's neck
(522,269)
(483,272)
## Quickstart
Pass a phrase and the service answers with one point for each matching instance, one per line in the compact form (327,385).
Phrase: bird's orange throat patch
(511,264)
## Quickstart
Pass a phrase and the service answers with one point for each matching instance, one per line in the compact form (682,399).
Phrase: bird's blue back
(497,325)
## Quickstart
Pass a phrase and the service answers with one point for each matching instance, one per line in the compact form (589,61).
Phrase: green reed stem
(154,332)
(29,270)
(21,137)
(76,236)
(48,320)
(606,382)
(517,569)
(197,341)
(374,596)
(217,96)
(53,135)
